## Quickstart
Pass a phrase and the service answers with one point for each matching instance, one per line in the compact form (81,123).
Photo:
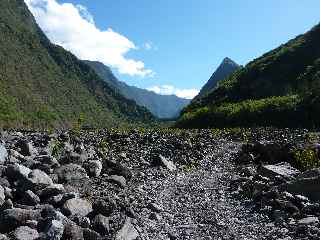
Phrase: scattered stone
(94,168)
(104,207)
(161,160)
(77,206)
(29,198)
(38,180)
(155,207)
(17,171)
(281,169)
(3,153)
(54,230)
(52,190)
(89,234)
(2,196)
(308,221)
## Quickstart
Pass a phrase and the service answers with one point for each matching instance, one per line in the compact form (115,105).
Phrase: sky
(172,46)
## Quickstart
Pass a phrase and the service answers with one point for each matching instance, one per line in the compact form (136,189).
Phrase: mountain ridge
(162,106)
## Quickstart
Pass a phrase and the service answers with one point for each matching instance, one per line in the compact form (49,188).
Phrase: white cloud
(171,90)
(148,46)
(73,28)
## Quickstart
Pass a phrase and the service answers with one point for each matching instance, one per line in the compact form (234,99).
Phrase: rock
(13,218)
(89,234)
(54,230)
(52,190)
(48,160)
(308,221)
(155,208)
(3,153)
(77,206)
(281,169)
(101,224)
(162,161)
(104,207)
(94,168)
(2,196)
(127,232)
(119,180)
(17,171)
(29,198)
(83,222)
(25,147)
(38,180)
(3,237)
(117,169)
(306,184)
(25,233)
(71,173)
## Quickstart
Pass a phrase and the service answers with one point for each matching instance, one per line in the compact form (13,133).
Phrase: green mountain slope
(162,106)
(280,88)
(43,85)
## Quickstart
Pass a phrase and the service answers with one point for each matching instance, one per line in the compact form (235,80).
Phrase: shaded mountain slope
(43,85)
(280,88)
(162,106)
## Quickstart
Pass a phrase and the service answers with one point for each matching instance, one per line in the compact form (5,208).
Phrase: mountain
(162,106)
(43,85)
(225,69)
(280,88)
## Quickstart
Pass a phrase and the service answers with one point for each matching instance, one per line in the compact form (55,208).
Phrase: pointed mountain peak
(229,61)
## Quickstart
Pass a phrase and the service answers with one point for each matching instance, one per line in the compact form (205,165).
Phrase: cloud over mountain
(170,90)
(73,27)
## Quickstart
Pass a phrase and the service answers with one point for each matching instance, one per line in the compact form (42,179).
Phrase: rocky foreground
(153,185)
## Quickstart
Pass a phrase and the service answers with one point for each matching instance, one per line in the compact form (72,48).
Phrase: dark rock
(25,147)
(104,207)
(37,180)
(52,190)
(17,172)
(29,198)
(25,233)
(162,161)
(77,206)
(47,159)
(89,234)
(117,169)
(81,221)
(13,218)
(2,196)
(101,225)
(71,173)
(155,207)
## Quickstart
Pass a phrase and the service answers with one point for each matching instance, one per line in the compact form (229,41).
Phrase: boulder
(104,207)
(308,221)
(128,231)
(17,172)
(3,153)
(25,147)
(47,159)
(89,234)
(101,224)
(71,173)
(10,219)
(38,180)
(77,206)
(306,184)
(94,168)
(29,198)
(25,233)
(119,180)
(2,196)
(116,168)
(52,190)
(281,169)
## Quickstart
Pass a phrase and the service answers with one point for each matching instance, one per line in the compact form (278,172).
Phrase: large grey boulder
(281,169)
(25,233)
(3,153)
(38,180)
(10,219)
(306,184)
(77,206)
(128,231)
(162,161)
(71,173)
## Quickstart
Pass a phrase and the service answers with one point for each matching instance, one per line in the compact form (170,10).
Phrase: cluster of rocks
(290,198)
(41,180)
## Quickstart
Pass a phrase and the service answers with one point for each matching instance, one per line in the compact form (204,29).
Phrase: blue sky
(179,43)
